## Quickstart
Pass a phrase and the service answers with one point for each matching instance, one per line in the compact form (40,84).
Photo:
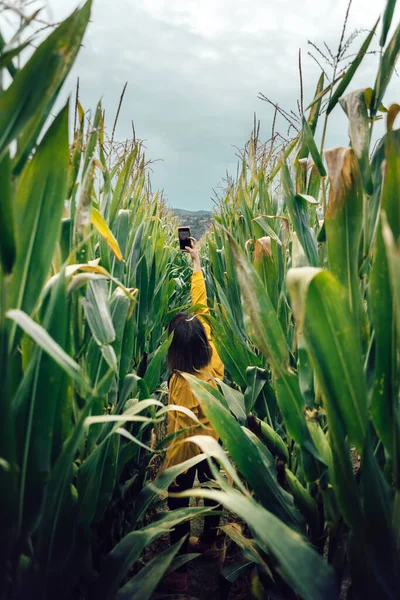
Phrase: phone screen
(184,235)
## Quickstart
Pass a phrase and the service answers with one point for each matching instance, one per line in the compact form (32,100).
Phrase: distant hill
(183,211)
(198,220)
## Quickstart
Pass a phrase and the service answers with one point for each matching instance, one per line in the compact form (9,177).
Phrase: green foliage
(307,323)
(90,271)
(306,317)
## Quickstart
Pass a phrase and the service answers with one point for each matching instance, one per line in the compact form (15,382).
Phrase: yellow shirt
(180,392)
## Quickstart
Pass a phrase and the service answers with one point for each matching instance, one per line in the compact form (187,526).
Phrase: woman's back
(180,392)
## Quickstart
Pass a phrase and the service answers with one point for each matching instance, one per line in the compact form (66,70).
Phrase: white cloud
(195,68)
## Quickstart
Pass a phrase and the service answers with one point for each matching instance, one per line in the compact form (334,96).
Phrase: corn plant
(90,275)
(303,272)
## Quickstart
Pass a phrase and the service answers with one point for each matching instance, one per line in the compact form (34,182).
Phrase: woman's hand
(193,250)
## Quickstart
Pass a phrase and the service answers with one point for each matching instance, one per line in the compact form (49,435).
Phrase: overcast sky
(194,70)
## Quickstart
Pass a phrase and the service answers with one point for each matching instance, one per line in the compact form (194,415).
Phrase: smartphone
(184,235)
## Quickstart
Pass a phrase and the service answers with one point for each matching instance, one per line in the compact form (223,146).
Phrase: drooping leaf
(145,582)
(127,552)
(333,343)
(46,342)
(343,224)
(245,454)
(303,569)
(99,222)
(355,107)
(163,481)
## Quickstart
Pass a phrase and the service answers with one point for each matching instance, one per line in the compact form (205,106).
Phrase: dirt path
(205,579)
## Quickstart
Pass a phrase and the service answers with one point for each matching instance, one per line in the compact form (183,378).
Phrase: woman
(191,351)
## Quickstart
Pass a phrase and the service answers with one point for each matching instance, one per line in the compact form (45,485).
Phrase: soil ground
(205,579)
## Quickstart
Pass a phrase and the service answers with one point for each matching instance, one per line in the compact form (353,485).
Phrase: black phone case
(184,242)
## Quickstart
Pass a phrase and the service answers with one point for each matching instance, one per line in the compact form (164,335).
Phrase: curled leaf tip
(343,173)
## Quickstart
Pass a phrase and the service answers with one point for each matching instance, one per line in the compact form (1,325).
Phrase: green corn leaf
(243,450)
(351,71)
(373,205)
(162,483)
(259,315)
(303,501)
(119,306)
(313,116)
(96,480)
(235,358)
(298,211)
(256,380)
(385,72)
(27,103)
(7,54)
(387,20)
(303,569)
(36,419)
(46,342)
(333,344)
(145,582)
(152,375)
(39,204)
(393,258)
(314,183)
(56,491)
(7,235)
(9,469)
(379,533)
(118,562)
(122,185)
(247,546)
(266,331)
(310,142)
(324,92)
(232,572)
(384,395)
(97,312)
(235,401)
(287,152)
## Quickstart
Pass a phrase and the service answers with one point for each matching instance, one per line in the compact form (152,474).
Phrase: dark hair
(189,350)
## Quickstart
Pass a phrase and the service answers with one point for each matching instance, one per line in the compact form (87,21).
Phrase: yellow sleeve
(199,296)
